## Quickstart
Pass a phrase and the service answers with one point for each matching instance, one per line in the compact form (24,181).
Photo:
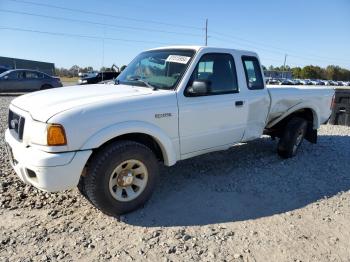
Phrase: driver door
(217,118)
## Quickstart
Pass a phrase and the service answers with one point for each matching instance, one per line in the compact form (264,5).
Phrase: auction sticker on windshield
(178,59)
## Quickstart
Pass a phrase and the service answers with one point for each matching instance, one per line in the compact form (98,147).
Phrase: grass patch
(69,79)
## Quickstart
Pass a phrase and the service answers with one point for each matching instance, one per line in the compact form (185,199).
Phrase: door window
(17,75)
(219,71)
(41,75)
(32,75)
(252,72)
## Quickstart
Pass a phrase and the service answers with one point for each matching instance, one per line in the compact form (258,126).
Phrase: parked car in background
(297,82)
(316,82)
(94,77)
(99,77)
(334,83)
(329,83)
(273,81)
(19,80)
(88,74)
(306,82)
(286,82)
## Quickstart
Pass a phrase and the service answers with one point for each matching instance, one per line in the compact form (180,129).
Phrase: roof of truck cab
(196,48)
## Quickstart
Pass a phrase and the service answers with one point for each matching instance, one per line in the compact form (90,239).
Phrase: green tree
(333,72)
(312,72)
(74,70)
(296,72)
(86,69)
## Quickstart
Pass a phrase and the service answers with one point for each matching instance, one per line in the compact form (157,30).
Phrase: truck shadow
(248,181)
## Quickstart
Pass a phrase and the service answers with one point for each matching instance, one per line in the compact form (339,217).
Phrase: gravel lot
(244,204)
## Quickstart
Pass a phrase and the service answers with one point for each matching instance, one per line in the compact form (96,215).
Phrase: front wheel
(121,177)
(292,137)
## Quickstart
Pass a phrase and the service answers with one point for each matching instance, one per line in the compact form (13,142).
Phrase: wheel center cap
(125,178)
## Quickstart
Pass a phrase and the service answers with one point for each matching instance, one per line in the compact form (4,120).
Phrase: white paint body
(94,114)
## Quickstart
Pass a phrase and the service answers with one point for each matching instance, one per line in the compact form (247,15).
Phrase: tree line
(72,71)
(331,72)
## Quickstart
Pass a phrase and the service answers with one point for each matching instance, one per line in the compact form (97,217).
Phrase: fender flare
(297,107)
(106,134)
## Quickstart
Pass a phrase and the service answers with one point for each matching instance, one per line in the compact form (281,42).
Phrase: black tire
(81,186)
(290,141)
(44,87)
(95,185)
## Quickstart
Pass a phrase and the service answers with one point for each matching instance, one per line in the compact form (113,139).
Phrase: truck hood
(42,105)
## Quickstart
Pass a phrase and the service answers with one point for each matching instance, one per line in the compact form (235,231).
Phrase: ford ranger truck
(169,104)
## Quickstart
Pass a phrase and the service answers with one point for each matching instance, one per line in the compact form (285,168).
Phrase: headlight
(56,136)
(47,134)
(37,133)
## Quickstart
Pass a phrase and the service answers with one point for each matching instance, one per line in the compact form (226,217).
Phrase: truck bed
(285,99)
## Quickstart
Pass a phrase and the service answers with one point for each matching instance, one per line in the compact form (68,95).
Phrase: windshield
(159,68)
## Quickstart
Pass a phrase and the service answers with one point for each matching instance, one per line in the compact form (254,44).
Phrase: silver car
(19,80)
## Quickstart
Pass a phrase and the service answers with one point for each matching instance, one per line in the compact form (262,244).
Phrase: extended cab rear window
(252,72)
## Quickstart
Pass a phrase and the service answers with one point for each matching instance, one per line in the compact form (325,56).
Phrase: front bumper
(47,171)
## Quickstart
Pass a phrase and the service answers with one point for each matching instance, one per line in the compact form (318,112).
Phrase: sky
(100,33)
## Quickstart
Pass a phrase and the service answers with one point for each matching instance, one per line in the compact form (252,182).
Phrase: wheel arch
(141,132)
(45,86)
(307,112)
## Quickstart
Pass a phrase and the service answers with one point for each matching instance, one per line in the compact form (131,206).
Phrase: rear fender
(316,120)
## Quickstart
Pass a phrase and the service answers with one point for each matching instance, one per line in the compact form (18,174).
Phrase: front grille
(16,123)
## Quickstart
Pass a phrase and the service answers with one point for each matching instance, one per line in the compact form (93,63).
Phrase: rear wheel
(121,177)
(292,137)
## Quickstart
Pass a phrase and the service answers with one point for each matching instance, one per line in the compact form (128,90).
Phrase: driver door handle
(239,103)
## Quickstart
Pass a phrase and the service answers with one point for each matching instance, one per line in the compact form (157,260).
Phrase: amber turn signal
(56,135)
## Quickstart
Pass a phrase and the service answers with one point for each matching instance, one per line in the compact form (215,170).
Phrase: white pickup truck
(169,104)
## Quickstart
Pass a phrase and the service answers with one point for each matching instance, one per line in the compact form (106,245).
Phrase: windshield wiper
(147,84)
(138,79)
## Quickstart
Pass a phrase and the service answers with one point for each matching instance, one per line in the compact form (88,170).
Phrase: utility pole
(206,32)
(284,65)
(103,50)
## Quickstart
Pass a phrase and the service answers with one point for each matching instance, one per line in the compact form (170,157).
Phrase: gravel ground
(243,204)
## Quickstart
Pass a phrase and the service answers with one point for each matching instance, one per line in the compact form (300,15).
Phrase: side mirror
(198,88)
(5,77)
